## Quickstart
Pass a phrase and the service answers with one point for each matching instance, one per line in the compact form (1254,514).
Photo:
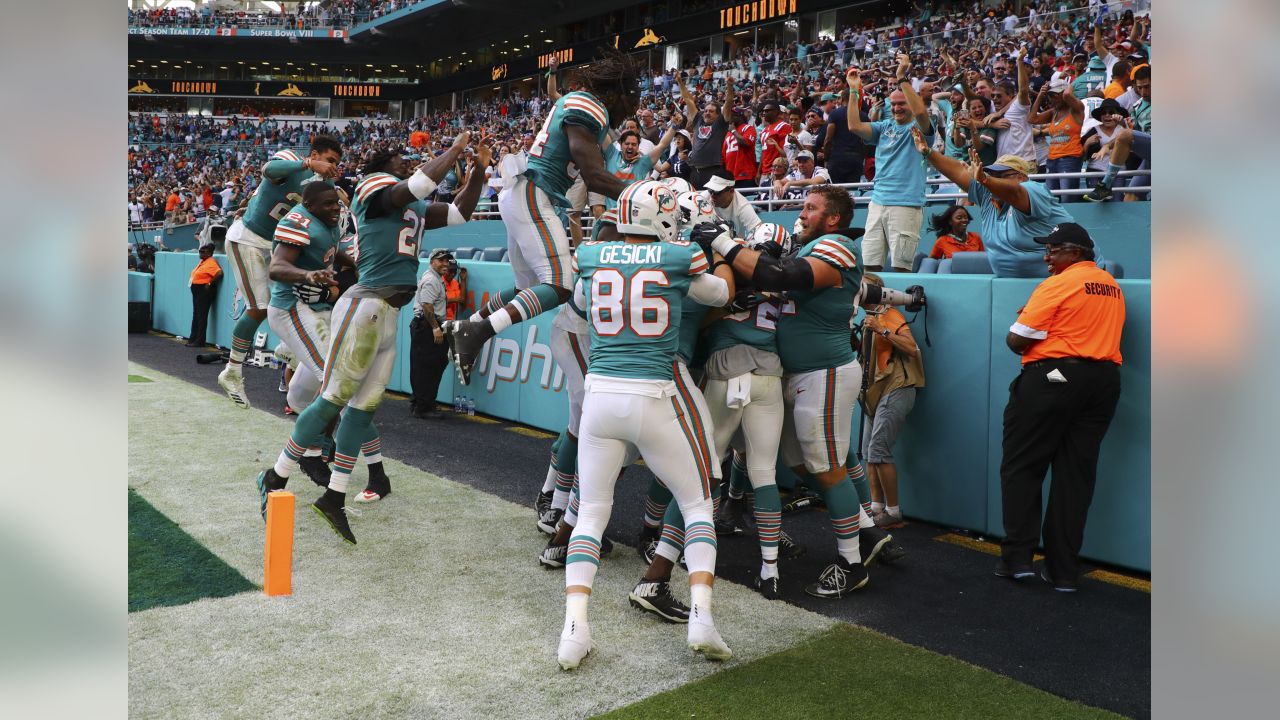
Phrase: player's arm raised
(459,211)
(586,155)
(423,181)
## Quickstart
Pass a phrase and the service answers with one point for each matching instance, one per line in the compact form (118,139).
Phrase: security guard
(428,352)
(1060,406)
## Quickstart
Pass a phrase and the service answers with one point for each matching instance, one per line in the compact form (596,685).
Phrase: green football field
(440,611)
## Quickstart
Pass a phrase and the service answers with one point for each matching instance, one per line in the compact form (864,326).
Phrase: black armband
(778,274)
(733,253)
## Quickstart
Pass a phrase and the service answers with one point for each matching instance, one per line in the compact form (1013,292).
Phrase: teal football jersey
(318,243)
(551,166)
(816,335)
(633,293)
(757,327)
(628,172)
(386,247)
(691,314)
(270,201)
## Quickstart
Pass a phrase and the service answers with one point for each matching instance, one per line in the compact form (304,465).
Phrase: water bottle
(457,403)
(471,406)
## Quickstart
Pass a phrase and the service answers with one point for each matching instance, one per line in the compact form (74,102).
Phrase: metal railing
(861,193)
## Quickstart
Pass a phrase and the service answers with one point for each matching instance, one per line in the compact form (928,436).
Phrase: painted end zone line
(1106,576)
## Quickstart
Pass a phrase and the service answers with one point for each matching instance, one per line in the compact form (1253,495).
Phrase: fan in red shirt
(740,151)
(953,236)
(775,130)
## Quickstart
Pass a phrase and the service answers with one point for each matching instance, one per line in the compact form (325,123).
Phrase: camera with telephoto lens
(918,299)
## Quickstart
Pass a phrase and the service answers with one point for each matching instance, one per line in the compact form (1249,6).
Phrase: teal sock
(308,430)
(1110,176)
(566,464)
(739,481)
(842,509)
(242,337)
(858,477)
(354,427)
(499,300)
(656,504)
(768,512)
(671,539)
(534,301)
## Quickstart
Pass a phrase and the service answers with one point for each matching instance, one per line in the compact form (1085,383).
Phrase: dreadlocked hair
(377,162)
(611,72)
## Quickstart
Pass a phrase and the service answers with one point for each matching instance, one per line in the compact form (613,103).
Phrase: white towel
(738,393)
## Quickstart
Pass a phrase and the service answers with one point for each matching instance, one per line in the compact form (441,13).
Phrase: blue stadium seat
(944,266)
(970,263)
(506,256)
(915,264)
(492,254)
(1113,267)
(464,253)
(928,265)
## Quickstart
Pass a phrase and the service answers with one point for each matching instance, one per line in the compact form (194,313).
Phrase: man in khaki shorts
(897,199)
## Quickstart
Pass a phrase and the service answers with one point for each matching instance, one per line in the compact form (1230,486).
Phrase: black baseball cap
(442,254)
(1067,234)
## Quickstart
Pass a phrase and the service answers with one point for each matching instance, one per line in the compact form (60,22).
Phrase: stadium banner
(225,32)
(274,89)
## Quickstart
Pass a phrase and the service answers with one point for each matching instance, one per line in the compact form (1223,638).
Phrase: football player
(391,211)
(249,243)
(629,289)
(567,146)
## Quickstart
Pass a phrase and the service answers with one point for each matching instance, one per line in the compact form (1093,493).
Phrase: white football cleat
(233,384)
(705,639)
(575,643)
(367,496)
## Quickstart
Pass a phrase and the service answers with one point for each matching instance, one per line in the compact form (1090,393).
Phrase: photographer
(893,368)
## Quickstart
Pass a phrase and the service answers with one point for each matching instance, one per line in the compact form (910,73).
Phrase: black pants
(701,175)
(427,362)
(1059,425)
(846,169)
(201,301)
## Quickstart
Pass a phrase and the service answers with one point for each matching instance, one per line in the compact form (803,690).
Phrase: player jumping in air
(567,146)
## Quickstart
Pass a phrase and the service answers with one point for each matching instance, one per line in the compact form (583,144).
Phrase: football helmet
(649,208)
(771,239)
(695,207)
(678,185)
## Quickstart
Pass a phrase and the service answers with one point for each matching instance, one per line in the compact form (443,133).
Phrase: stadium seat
(928,265)
(464,253)
(915,264)
(970,263)
(944,266)
(506,256)
(492,254)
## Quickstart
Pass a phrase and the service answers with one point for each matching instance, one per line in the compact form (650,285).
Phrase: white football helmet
(695,207)
(769,232)
(678,185)
(649,208)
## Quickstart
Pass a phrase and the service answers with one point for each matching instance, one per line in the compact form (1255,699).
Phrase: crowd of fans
(788,101)
(333,13)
